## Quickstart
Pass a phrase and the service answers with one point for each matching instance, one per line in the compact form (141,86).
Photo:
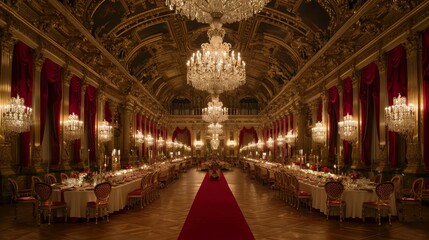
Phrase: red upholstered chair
(34,180)
(298,195)
(102,193)
(45,204)
(378,178)
(50,179)
(334,198)
(139,195)
(414,200)
(20,197)
(384,192)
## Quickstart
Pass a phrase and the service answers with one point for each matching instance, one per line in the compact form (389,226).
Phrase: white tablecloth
(76,200)
(353,198)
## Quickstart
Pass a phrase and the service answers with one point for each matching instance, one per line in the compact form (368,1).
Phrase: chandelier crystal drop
(73,128)
(214,128)
(270,142)
(105,132)
(16,117)
(318,133)
(215,112)
(229,10)
(348,129)
(400,117)
(216,69)
(139,137)
(290,138)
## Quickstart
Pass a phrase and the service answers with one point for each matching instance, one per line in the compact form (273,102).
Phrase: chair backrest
(397,181)
(378,178)
(43,191)
(417,188)
(13,187)
(102,191)
(384,190)
(50,179)
(334,190)
(34,180)
(64,177)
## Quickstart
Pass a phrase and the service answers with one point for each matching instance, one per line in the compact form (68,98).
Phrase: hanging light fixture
(215,112)
(318,133)
(214,142)
(400,117)
(16,117)
(160,142)
(169,144)
(216,69)
(198,144)
(270,142)
(280,140)
(139,137)
(290,138)
(260,145)
(72,128)
(348,129)
(214,128)
(229,10)
(105,132)
(149,140)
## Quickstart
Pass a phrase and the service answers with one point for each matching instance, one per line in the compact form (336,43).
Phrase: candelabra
(73,128)
(400,117)
(348,129)
(16,117)
(318,133)
(105,132)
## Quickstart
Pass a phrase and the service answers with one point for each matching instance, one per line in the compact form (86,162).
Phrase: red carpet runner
(215,214)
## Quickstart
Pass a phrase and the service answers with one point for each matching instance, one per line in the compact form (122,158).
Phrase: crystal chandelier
(105,132)
(259,145)
(72,128)
(149,140)
(215,112)
(139,137)
(214,142)
(231,143)
(400,117)
(270,142)
(169,144)
(348,128)
(198,144)
(229,10)
(280,140)
(318,133)
(214,128)
(160,142)
(16,117)
(290,138)
(216,70)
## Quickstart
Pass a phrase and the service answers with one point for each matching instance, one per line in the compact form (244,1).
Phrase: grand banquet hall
(214,119)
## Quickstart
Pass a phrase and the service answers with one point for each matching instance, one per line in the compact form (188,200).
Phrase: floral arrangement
(86,176)
(127,166)
(325,169)
(214,174)
(313,167)
(354,175)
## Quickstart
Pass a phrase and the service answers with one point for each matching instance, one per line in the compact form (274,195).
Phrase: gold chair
(299,195)
(101,204)
(50,179)
(45,204)
(384,192)
(414,200)
(334,198)
(20,197)
(34,180)
(138,195)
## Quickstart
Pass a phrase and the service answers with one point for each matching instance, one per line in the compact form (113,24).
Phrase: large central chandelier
(214,128)
(72,127)
(16,117)
(215,112)
(105,132)
(216,69)
(230,10)
(214,142)
(400,117)
(318,133)
(348,128)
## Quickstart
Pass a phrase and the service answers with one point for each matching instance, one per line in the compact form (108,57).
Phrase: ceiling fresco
(141,47)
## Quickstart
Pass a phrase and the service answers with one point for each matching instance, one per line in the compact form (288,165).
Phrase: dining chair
(20,196)
(384,193)
(414,200)
(44,203)
(138,195)
(397,183)
(334,198)
(299,195)
(378,178)
(50,179)
(101,204)
(34,180)
(64,177)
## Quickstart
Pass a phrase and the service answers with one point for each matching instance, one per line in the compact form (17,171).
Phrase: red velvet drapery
(286,131)
(90,113)
(333,112)
(244,131)
(425,67)
(75,93)
(347,109)
(396,84)
(291,128)
(22,85)
(51,95)
(143,124)
(369,95)
(185,133)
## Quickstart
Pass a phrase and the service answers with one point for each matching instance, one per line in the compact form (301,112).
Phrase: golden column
(356,162)
(382,157)
(65,146)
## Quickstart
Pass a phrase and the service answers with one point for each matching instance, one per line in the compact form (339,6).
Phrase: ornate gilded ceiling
(140,47)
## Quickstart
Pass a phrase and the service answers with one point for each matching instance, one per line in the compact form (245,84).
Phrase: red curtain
(90,113)
(425,61)
(75,93)
(22,85)
(185,131)
(51,95)
(291,128)
(245,131)
(333,112)
(286,130)
(396,84)
(369,95)
(347,109)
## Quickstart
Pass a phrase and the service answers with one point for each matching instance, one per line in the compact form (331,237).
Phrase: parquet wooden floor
(267,216)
